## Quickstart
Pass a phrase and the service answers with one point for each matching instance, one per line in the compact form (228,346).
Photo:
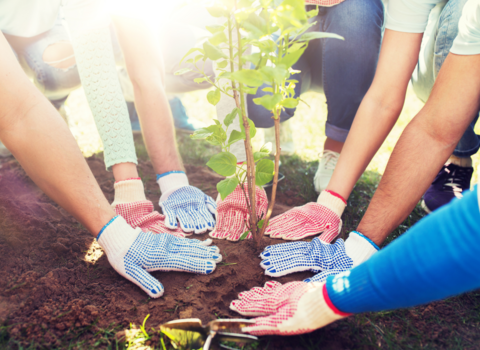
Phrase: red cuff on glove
(330,304)
(336,195)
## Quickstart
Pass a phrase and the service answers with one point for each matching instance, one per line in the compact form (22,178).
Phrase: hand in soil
(133,253)
(292,308)
(193,208)
(141,214)
(316,256)
(233,215)
(307,220)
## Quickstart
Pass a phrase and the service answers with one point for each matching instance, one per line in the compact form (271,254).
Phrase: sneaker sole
(424,207)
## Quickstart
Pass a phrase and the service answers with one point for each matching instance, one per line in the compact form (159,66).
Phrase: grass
(450,324)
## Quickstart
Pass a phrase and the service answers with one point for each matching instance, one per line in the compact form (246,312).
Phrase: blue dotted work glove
(316,256)
(194,209)
(134,253)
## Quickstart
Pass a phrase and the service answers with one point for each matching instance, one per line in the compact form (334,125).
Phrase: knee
(364,16)
(59,55)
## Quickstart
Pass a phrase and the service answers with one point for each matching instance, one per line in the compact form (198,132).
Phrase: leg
(345,69)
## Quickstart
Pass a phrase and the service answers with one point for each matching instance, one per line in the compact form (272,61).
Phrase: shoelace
(455,181)
(331,159)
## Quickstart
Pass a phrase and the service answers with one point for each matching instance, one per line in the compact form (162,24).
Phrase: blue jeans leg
(344,69)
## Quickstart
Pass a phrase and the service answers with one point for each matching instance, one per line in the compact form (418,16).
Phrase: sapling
(255,46)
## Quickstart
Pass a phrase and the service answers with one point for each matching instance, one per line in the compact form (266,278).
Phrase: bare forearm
(157,128)
(425,145)
(371,126)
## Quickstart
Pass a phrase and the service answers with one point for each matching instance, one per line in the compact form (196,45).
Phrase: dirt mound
(55,277)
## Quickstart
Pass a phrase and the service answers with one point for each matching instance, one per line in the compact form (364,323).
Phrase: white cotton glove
(134,253)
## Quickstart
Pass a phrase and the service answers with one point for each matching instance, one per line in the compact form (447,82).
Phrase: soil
(51,284)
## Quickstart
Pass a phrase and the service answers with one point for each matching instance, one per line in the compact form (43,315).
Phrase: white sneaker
(328,161)
(4,152)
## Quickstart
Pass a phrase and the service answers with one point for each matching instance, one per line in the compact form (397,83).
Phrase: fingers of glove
(250,308)
(207,217)
(211,204)
(284,248)
(260,293)
(195,251)
(332,230)
(224,224)
(322,276)
(238,226)
(282,267)
(144,280)
(205,243)
(185,221)
(179,262)
(170,216)
(198,221)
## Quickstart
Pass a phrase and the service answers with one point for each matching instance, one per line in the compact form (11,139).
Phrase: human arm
(144,64)
(39,139)
(425,145)
(409,272)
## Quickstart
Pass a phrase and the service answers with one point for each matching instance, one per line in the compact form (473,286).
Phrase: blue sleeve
(437,258)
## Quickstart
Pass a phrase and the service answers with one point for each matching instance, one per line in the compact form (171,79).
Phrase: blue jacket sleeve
(437,258)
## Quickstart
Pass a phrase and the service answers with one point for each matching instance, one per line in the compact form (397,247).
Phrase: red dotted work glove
(288,309)
(232,213)
(130,203)
(310,219)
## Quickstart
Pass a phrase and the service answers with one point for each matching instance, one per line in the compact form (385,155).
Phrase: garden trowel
(191,332)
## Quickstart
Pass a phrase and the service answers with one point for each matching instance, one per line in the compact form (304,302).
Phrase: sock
(460,161)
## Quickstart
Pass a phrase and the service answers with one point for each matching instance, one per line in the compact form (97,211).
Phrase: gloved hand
(193,208)
(289,309)
(130,202)
(133,253)
(322,258)
(233,216)
(310,219)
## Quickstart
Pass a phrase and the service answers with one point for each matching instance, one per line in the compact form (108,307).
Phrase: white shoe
(328,161)
(4,152)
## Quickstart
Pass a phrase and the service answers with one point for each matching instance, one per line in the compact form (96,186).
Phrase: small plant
(269,36)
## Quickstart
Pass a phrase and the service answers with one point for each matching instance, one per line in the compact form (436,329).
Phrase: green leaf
(216,11)
(254,58)
(250,90)
(200,134)
(312,13)
(268,89)
(214,96)
(248,77)
(212,52)
(264,172)
(218,38)
(182,71)
(230,117)
(260,223)
(268,101)
(227,186)
(244,235)
(235,136)
(200,80)
(191,51)
(267,148)
(289,102)
(223,163)
(260,155)
(277,74)
(319,35)
(222,64)
(215,29)
(251,124)
(291,58)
